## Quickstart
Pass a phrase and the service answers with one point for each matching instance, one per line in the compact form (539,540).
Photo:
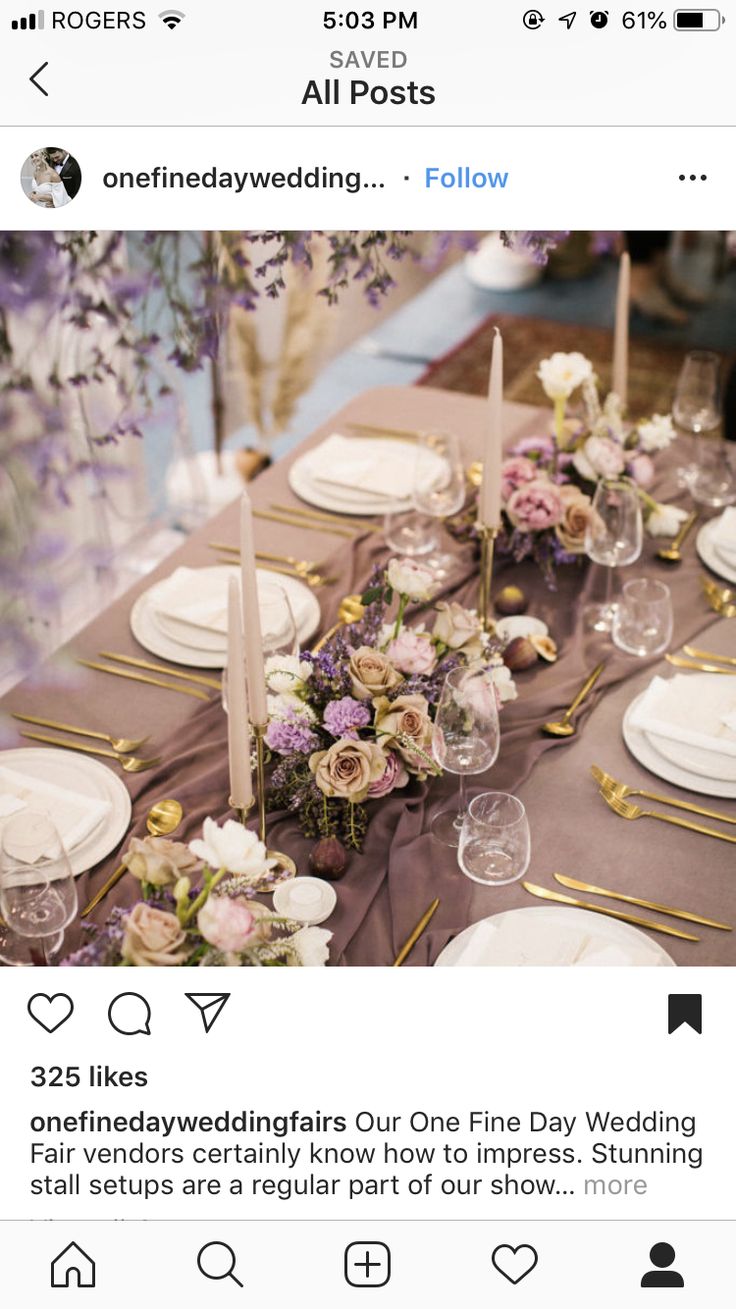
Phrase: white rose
(311,945)
(233,847)
(657,433)
(410,578)
(664,520)
(562,374)
(287,674)
(599,457)
(504,683)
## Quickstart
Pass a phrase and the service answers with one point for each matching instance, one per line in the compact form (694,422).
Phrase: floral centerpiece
(548,481)
(354,722)
(197,908)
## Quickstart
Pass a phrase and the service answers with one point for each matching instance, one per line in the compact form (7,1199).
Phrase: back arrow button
(33,77)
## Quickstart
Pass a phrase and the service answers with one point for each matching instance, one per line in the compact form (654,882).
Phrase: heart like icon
(514,1262)
(50,1011)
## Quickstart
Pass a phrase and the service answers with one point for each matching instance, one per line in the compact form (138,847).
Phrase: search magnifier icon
(216,1260)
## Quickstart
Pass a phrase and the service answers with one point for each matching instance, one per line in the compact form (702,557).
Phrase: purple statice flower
(539,448)
(291,734)
(104,950)
(345,716)
(538,244)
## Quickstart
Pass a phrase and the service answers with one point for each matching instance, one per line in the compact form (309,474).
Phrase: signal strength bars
(31,23)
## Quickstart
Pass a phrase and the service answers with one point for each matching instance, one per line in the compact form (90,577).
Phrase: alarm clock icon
(599,17)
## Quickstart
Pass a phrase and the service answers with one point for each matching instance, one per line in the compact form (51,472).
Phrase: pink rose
(514,473)
(395,775)
(226,923)
(412,653)
(535,506)
(641,469)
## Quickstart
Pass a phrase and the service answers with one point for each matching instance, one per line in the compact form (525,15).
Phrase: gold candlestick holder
(487,545)
(284,868)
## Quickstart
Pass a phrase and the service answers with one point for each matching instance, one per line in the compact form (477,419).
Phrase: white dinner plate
(86,776)
(605,931)
(706,548)
(348,500)
(647,754)
(166,639)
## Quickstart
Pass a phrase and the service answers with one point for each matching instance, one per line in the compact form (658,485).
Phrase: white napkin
(671,708)
(74,815)
(520,941)
(194,597)
(723,533)
(599,953)
(380,469)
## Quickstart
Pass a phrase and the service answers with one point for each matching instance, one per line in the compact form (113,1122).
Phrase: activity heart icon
(514,1262)
(50,1011)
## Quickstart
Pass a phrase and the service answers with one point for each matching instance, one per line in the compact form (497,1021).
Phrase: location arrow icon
(210,1005)
(32,79)
(569,19)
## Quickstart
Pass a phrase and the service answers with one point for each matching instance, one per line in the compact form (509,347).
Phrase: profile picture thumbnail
(51,177)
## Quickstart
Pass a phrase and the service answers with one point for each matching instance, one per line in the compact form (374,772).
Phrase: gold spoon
(129,763)
(351,610)
(564,726)
(121,744)
(671,553)
(162,819)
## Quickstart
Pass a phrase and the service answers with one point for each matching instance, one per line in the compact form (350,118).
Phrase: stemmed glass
(698,409)
(466,738)
(613,538)
(38,893)
(438,492)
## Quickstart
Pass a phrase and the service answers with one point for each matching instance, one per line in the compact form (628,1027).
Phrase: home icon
(72,1267)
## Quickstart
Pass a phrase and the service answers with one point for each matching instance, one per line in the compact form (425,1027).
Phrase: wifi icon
(171,17)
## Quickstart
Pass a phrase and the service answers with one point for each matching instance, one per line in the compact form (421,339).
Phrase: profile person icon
(662,1256)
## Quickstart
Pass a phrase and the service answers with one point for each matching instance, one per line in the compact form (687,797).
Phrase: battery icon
(698,20)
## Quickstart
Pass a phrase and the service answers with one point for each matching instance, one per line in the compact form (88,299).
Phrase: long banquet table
(388,886)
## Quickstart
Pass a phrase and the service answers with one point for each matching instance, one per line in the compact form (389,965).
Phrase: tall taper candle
(252,617)
(238,727)
(621,332)
(490,491)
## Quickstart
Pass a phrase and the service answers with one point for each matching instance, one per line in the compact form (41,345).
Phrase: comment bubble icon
(130,1014)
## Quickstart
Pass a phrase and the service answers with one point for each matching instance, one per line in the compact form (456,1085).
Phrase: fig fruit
(329,859)
(545,647)
(519,654)
(511,600)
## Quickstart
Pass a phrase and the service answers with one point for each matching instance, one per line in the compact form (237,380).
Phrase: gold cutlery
(141,677)
(707,654)
(222,545)
(391,433)
(632,811)
(129,762)
(313,580)
(320,516)
(163,818)
(474,473)
(299,565)
(575,885)
(724,593)
(701,667)
(622,792)
(351,610)
(564,726)
(671,553)
(162,668)
(720,598)
(543,894)
(121,744)
(411,941)
(302,523)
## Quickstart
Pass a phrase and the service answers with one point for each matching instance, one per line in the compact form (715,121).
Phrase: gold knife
(411,941)
(708,654)
(610,913)
(161,668)
(323,517)
(391,433)
(302,523)
(679,662)
(574,885)
(141,677)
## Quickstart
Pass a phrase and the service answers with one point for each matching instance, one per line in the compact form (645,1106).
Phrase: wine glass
(697,409)
(439,490)
(38,893)
(495,843)
(613,538)
(466,738)
(278,628)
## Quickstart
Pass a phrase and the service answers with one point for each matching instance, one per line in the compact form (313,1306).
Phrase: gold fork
(121,744)
(130,763)
(632,811)
(621,791)
(313,580)
(291,521)
(321,516)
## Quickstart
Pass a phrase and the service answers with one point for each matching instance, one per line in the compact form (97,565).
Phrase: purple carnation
(344,717)
(291,734)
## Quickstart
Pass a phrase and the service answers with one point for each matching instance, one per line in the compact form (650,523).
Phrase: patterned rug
(653,366)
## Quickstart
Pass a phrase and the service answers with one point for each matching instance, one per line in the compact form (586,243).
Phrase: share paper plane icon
(210,1005)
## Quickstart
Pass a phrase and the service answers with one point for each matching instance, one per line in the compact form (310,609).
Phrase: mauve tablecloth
(389,885)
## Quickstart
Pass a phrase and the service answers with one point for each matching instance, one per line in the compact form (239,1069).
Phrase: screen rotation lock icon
(533,19)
